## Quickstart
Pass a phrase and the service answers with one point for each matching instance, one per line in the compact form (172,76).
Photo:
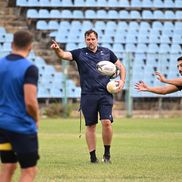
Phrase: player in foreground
(18,111)
(94,96)
(173,85)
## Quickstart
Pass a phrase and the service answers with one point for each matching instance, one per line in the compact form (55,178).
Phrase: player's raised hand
(160,77)
(54,45)
(141,86)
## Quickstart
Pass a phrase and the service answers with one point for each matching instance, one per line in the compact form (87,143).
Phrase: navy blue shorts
(17,147)
(92,105)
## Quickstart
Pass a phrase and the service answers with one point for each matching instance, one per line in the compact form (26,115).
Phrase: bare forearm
(33,110)
(176,81)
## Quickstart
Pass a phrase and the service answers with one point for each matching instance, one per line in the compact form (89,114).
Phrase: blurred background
(146,35)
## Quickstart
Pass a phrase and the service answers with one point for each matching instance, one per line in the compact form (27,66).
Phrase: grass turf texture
(142,150)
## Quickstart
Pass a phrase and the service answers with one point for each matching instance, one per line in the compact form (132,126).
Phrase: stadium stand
(145,29)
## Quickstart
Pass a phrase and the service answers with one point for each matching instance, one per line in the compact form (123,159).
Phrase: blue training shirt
(91,81)
(15,71)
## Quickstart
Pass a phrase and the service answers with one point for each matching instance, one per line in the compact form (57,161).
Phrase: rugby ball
(112,86)
(106,68)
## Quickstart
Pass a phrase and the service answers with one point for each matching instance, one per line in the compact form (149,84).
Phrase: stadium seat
(157,25)
(111,25)
(117,47)
(165,39)
(8,37)
(164,48)
(90,14)
(123,14)
(144,25)
(107,45)
(41,25)
(133,25)
(158,14)
(123,3)
(44,3)
(176,39)
(110,32)
(101,3)
(113,14)
(86,25)
(176,48)
(80,3)
(130,38)
(44,13)
(130,48)
(136,3)
(66,14)
(154,38)
(22,3)
(141,48)
(32,13)
(78,14)
(122,25)
(75,25)
(101,14)
(147,14)
(100,25)
(135,14)
(113,3)
(67,3)
(178,3)
(169,4)
(54,13)
(71,46)
(169,15)
(90,3)
(168,26)
(143,38)
(153,48)
(178,15)
(119,38)
(56,3)
(64,25)
(147,3)
(53,25)
(158,4)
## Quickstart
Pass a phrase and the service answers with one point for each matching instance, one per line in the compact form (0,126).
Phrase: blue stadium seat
(123,14)
(6,46)
(178,25)
(86,25)
(117,47)
(113,3)
(44,3)
(32,13)
(165,39)
(91,3)
(131,38)
(119,38)
(71,46)
(158,14)
(67,3)
(66,14)
(123,3)
(112,14)
(130,48)
(141,48)
(177,39)
(153,48)
(133,25)
(78,14)
(169,4)
(56,3)
(44,13)
(144,25)
(158,4)
(100,25)
(178,3)
(168,26)
(53,25)
(143,38)
(147,14)
(107,45)
(154,38)
(75,25)
(147,3)
(164,48)
(111,25)
(122,25)
(101,14)
(54,13)
(8,37)
(169,15)
(106,39)
(42,25)
(136,3)
(102,3)
(135,14)
(178,15)
(157,25)
(90,14)
(64,25)
(176,48)
(80,3)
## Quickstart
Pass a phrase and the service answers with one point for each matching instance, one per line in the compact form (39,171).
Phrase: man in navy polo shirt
(94,95)
(19,113)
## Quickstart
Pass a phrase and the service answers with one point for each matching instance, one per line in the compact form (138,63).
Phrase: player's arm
(167,89)
(175,81)
(122,73)
(30,93)
(60,52)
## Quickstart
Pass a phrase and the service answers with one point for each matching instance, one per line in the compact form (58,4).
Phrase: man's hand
(54,45)
(141,86)
(160,77)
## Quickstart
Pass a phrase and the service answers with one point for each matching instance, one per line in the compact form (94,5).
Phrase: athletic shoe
(95,161)
(106,159)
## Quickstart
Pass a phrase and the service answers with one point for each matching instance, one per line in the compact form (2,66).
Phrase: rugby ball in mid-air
(112,86)
(106,68)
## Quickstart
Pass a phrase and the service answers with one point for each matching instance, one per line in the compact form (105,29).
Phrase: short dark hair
(88,32)
(179,59)
(22,39)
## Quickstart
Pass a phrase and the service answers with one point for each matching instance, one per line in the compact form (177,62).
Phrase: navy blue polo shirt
(91,81)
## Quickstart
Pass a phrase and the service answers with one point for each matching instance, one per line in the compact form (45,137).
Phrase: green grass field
(142,150)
